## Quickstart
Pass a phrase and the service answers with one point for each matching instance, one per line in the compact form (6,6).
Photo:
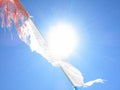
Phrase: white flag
(32,37)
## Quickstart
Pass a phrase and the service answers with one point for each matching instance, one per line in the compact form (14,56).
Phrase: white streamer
(31,36)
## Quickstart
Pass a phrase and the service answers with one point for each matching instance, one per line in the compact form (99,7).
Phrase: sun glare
(62,40)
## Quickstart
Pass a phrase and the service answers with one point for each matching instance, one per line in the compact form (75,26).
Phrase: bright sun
(62,40)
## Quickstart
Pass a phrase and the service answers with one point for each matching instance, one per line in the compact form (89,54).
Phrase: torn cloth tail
(75,76)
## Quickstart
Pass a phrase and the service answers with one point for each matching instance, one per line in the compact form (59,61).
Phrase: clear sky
(97,54)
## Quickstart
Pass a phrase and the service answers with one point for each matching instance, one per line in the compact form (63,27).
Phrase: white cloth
(31,36)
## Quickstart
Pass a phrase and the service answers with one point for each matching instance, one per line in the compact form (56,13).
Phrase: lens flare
(62,40)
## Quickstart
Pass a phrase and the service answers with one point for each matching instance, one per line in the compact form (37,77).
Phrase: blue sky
(97,54)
